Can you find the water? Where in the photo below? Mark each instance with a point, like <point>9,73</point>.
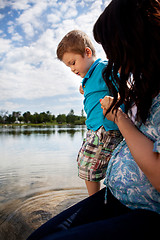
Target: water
<point>38,176</point>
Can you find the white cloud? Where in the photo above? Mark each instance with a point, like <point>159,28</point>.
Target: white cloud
<point>53,18</point>
<point>1,16</point>
<point>30,19</point>
<point>69,10</point>
<point>64,7</point>
<point>9,23</point>
<point>17,37</point>
<point>20,5</point>
<point>70,99</point>
<point>10,106</point>
<point>28,29</point>
<point>5,45</point>
<point>32,13</point>
<point>33,83</point>
<point>3,4</point>
<point>11,29</point>
<point>32,71</point>
<point>106,2</point>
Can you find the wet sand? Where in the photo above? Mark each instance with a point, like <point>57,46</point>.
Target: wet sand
<point>19,218</point>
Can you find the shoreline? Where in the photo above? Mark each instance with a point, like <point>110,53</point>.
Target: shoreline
<point>39,125</point>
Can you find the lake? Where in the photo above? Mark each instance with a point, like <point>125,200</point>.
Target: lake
<point>38,176</point>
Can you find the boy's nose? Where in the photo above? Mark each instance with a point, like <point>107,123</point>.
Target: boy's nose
<point>72,69</point>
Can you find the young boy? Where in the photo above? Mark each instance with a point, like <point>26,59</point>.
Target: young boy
<point>77,52</point>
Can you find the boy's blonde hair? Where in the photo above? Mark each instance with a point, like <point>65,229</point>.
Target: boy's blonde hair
<point>75,41</point>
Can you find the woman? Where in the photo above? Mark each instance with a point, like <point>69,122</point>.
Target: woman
<point>129,32</point>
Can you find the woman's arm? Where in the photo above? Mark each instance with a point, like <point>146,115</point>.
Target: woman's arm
<point>140,146</point>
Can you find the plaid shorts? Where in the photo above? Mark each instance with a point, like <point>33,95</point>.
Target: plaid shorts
<point>95,153</point>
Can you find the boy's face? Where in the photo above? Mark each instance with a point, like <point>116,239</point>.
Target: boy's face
<point>78,64</point>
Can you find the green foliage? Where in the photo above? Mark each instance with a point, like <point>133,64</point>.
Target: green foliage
<point>61,118</point>
<point>41,118</point>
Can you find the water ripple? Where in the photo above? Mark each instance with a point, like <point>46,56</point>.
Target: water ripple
<point>23,216</point>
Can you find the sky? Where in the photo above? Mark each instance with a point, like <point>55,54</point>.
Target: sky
<point>31,77</point>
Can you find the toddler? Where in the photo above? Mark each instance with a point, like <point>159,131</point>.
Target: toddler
<point>77,52</point>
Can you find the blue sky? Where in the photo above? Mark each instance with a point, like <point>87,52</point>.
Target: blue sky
<point>31,78</point>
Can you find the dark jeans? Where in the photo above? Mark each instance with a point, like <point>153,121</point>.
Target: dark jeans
<point>92,219</point>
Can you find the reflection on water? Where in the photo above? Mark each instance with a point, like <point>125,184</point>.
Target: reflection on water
<point>25,130</point>
<point>35,161</point>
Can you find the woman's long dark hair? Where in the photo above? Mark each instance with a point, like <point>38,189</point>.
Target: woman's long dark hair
<point>129,32</point>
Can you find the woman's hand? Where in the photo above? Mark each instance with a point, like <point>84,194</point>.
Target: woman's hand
<point>105,104</point>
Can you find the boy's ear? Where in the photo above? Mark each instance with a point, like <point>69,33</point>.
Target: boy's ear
<point>88,52</point>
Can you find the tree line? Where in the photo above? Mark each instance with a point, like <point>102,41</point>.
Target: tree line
<point>43,117</point>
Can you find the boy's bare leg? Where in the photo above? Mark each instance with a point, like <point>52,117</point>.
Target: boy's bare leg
<point>92,187</point>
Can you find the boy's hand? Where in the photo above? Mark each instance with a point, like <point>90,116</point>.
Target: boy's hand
<point>81,90</point>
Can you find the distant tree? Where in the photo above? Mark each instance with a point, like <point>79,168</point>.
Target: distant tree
<point>16,115</point>
<point>3,115</point>
<point>82,118</point>
<point>61,118</point>
<point>42,117</point>
<point>53,118</point>
<point>71,112</point>
<point>47,117</point>
<point>27,116</point>
<point>82,113</point>
<point>10,118</point>
<point>21,119</point>
<point>34,118</point>
<point>1,119</point>
<point>71,117</point>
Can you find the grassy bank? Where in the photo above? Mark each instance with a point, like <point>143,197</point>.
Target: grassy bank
<point>49,124</point>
